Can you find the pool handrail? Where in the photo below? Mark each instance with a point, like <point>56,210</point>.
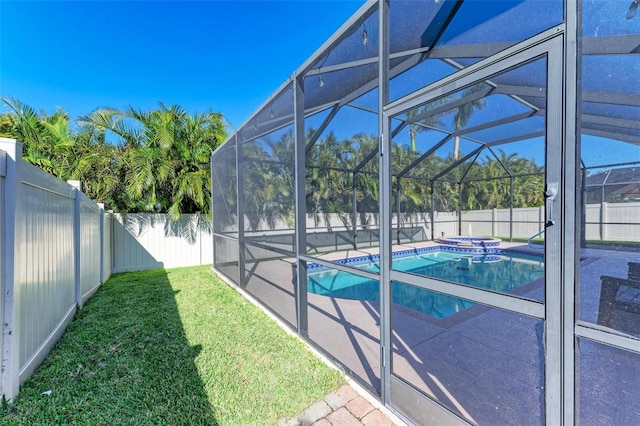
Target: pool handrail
<point>535,246</point>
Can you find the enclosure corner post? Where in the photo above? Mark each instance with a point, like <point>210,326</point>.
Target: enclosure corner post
<point>213,228</point>
<point>9,306</point>
<point>300,207</point>
<point>385,182</point>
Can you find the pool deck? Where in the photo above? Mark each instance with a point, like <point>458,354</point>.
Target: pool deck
<point>485,364</point>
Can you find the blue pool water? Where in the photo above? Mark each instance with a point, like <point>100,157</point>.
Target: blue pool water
<point>502,272</point>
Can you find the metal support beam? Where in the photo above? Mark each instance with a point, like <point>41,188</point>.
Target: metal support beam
<point>457,163</point>
<point>321,129</point>
<point>583,203</point>
<point>569,114</point>
<point>242,280</point>
<point>511,208</point>
<point>398,206</point>
<point>300,207</point>
<point>433,212</point>
<point>366,160</point>
<point>354,219</point>
<point>425,155</point>
<point>384,173</point>
<point>554,247</point>
<point>475,158</point>
<point>460,208</point>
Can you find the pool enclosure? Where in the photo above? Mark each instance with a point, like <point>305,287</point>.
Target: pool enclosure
<point>481,137</point>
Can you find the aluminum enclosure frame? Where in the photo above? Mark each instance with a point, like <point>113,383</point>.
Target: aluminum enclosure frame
<point>562,45</point>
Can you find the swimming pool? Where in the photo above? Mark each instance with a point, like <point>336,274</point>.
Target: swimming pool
<point>500,271</point>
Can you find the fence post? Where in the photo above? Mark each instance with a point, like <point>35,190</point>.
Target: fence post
<point>10,293</point>
<point>541,218</point>
<point>76,239</point>
<point>494,222</point>
<point>101,205</point>
<point>603,221</point>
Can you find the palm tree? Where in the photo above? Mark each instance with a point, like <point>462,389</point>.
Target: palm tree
<point>464,112</point>
<point>50,142</point>
<point>167,155</point>
<point>268,181</point>
<point>6,125</point>
<point>426,122</point>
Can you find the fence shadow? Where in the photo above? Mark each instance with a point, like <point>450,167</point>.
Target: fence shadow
<point>126,358</point>
<point>140,241</point>
<point>187,227</point>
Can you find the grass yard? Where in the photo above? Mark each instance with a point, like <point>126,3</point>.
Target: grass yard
<point>171,347</point>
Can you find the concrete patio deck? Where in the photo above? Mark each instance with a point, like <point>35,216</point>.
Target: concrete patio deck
<point>484,364</point>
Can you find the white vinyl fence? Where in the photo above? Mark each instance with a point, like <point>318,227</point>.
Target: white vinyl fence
<point>51,262</point>
<point>57,246</point>
<point>603,222</point>
<point>150,241</point>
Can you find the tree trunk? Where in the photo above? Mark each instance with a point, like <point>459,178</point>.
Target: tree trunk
<point>456,147</point>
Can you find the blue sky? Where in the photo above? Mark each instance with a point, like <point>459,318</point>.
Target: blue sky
<point>225,56</point>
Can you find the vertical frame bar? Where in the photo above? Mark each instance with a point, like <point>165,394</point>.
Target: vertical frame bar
<point>213,228</point>
<point>583,207</point>
<point>433,212</point>
<point>242,280</point>
<point>554,256</point>
<point>384,176</point>
<point>355,212</point>
<point>301,208</point>
<point>398,206</point>
<point>510,207</point>
<point>572,211</point>
<point>460,208</point>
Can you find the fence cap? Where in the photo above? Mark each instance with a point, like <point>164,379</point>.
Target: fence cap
<point>76,184</point>
<point>12,149</point>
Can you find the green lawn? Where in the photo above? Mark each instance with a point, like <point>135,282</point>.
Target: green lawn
<point>172,347</point>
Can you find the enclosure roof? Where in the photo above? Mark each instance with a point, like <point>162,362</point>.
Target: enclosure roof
<point>456,34</point>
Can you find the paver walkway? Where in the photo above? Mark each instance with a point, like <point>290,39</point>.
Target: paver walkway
<point>344,407</point>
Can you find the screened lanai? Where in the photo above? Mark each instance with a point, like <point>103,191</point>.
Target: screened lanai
<point>444,199</point>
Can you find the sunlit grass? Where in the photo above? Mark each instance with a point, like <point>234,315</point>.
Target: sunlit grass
<point>172,347</point>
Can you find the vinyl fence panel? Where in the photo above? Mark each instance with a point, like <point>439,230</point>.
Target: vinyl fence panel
<point>107,249</point>
<point>51,258</point>
<point>90,218</point>
<point>150,241</point>
<point>44,264</point>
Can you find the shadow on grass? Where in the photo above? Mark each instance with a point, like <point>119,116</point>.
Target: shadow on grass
<point>125,359</point>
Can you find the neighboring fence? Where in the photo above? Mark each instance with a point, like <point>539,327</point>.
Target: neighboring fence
<point>613,222</point>
<point>604,222</point>
<point>149,241</point>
